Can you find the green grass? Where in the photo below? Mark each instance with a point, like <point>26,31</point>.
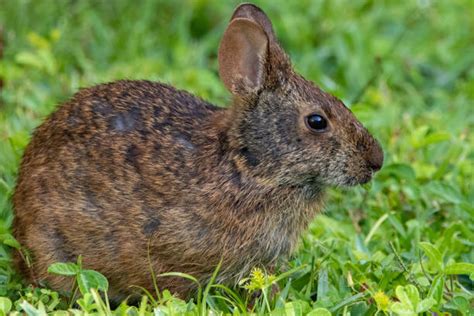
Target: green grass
<point>406,68</point>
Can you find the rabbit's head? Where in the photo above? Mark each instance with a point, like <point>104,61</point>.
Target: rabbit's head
<point>285,129</point>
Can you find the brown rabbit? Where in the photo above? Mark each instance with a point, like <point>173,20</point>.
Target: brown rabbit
<point>132,168</point>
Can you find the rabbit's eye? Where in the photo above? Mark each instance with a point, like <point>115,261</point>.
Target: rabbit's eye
<point>316,122</point>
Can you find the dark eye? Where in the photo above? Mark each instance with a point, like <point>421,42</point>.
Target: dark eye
<point>316,122</point>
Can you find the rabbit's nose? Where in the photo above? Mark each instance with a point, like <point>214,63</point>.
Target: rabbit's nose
<point>375,157</point>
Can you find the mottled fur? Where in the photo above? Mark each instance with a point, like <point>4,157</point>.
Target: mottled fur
<point>136,168</point>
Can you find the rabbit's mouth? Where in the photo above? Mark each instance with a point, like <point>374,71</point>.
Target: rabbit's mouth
<point>366,178</point>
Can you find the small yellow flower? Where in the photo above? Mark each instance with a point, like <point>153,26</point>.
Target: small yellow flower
<point>258,277</point>
<point>258,280</point>
<point>382,300</point>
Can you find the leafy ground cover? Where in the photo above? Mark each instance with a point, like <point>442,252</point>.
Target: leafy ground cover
<point>402,245</point>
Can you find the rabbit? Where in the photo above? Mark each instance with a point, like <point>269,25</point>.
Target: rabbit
<point>135,176</point>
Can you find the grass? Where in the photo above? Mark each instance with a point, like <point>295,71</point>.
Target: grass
<point>402,245</point>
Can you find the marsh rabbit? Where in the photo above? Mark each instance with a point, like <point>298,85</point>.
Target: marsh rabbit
<point>137,173</point>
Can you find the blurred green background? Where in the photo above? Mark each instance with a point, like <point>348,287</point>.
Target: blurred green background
<point>406,68</point>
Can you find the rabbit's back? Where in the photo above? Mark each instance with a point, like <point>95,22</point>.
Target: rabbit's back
<point>113,129</point>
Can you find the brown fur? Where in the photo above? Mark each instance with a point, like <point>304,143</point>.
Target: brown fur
<point>135,165</point>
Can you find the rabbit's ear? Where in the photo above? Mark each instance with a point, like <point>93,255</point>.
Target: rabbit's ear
<point>242,56</point>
